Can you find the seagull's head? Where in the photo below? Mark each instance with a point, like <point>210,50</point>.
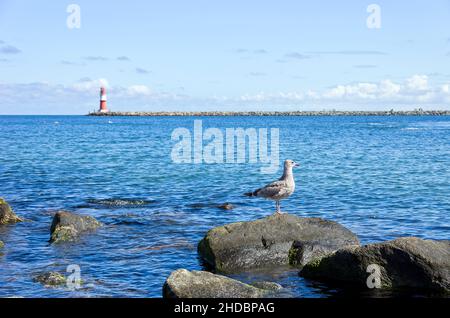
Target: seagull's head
<point>290,164</point>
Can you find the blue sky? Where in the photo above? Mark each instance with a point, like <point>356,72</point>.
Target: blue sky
<point>232,55</point>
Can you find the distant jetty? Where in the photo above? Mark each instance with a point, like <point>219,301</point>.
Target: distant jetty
<point>418,112</point>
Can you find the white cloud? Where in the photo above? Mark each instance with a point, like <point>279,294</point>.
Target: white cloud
<point>360,90</point>
<point>255,98</point>
<point>388,89</point>
<point>415,90</point>
<point>136,90</point>
<point>87,85</point>
<point>82,97</point>
<point>312,94</point>
<point>417,83</point>
<point>336,92</point>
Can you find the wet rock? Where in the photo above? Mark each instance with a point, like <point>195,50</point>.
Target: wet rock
<point>50,279</point>
<point>403,263</point>
<point>267,286</point>
<point>303,252</point>
<point>226,206</point>
<point>199,284</point>
<point>67,226</point>
<point>268,241</point>
<point>7,215</point>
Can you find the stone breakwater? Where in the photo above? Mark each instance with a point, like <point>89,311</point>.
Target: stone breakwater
<point>288,113</point>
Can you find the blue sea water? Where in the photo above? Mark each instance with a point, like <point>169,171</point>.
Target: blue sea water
<point>382,177</point>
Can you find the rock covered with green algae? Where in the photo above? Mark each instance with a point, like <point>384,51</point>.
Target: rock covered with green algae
<point>7,215</point>
<point>269,241</point>
<point>407,262</point>
<point>67,226</point>
<point>50,279</point>
<point>200,284</point>
<point>1,244</point>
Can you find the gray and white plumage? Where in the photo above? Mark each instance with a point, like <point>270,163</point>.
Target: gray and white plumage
<point>280,189</point>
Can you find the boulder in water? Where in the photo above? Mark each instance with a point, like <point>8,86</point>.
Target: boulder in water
<point>200,284</point>
<point>67,226</point>
<point>268,241</point>
<point>7,215</point>
<point>407,262</point>
<point>226,206</point>
<point>50,279</point>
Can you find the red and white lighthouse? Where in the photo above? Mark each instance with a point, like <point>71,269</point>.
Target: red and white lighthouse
<point>103,107</point>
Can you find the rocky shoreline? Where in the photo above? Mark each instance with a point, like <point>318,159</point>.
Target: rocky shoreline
<point>320,250</point>
<point>417,112</point>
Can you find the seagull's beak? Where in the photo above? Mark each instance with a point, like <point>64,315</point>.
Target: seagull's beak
<point>296,165</point>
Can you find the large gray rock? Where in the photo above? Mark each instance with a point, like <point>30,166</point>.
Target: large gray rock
<point>199,284</point>
<point>268,241</point>
<point>67,226</point>
<point>7,215</point>
<point>403,263</point>
<point>303,252</point>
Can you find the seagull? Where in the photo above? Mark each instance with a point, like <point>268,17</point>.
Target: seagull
<point>280,189</point>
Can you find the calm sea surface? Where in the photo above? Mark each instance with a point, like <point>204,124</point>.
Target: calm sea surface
<point>382,177</point>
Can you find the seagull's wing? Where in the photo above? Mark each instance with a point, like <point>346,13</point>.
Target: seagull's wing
<point>272,189</point>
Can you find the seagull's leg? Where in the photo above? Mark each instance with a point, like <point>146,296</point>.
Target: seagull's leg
<point>278,204</point>
<point>278,207</point>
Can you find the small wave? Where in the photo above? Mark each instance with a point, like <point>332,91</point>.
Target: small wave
<point>199,206</point>
<point>129,222</point>
<point>119,202</point>
<point>174,245</point>
<point>382,125</point>
<point>434,124</point>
